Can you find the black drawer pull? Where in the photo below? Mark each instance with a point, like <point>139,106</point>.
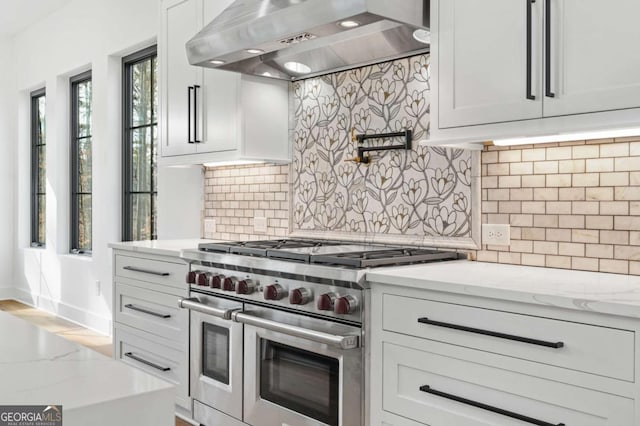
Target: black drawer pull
<point>189,89</point>
<point>146,271</point>
<point>547,50</point>
<point>195,114</point>
<point>146,311</point>
<point>144,361</point>
<point>555,345</point>
<point>530,96</point>
<point>531,420</point>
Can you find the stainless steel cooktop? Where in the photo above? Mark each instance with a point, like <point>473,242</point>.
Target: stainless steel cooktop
<point>330,253</point>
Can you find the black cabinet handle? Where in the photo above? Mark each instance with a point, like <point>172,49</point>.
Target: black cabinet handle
<point>195,114</point>
<point>189,89</point>
<point>146,271</point>
<point>144,361</point>
<point>527,419</point>
<point>555,345</point>
<point>530,96</point>
<point>547,49</point>
<point>146,311</point>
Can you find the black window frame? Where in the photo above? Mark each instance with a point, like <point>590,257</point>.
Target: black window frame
<point>35,170</point>
<point>127,105</point>
<point>74,234</point>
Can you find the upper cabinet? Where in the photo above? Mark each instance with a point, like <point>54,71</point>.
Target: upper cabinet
<point>504,66</point>
<point>593,58</point>
<point>210,115</point>
<point>483,68</point>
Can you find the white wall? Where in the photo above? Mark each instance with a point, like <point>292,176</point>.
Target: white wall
<point>8,118</point>
<point>86,34</point>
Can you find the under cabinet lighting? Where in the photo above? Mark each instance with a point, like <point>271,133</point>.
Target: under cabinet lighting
<point>297,67</point>
<point>423,36</point>
<point>565,137</point>
<point>473,146</point>
<point>216,62</point>
<point>254,51</point>
<point>232,163</point>
<point>349,24</point>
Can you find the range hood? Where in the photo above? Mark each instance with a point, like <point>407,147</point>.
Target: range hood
<point>294,39</point>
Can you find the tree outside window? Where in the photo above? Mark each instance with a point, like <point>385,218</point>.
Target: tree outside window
<point>140,97</point>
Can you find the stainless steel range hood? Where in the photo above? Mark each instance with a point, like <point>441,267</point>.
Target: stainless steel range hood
<point>294,39</point>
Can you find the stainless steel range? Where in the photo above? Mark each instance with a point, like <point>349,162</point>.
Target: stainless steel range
<point>278,329</point>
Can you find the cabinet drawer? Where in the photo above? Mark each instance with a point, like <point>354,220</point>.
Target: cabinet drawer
<point>150,270</point>
<point>462,385</point>
<point>143,351</point>
<point>151,311</point>
<point>593,349</point>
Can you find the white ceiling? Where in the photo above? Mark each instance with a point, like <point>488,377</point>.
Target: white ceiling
<point>16,15</point>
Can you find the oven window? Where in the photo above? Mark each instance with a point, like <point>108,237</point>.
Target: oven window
<point>215,352</point>
<point>302,381</point>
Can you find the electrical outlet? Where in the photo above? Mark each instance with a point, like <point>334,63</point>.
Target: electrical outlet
<point>496,234</point>
<point>98,288</point>
<point>209,226</point>
<point>260,225</point>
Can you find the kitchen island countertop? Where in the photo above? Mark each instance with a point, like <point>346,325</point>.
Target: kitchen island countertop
<point>614,294</point>
<point>40,368</point>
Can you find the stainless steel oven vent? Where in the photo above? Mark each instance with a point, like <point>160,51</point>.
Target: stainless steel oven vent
<point>295,39</point>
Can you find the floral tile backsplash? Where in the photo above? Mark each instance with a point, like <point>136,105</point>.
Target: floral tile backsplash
<point>423,195</point>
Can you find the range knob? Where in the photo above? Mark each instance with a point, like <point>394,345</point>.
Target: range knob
<point>274,292</point>
<point>345,305</point>
<point>299,296</point>
<point>229,284</point>
<point>191,277</point>
<point>216,281</point>
<point>245,287</point>
<point>325,301</point>
<point>202,278</point>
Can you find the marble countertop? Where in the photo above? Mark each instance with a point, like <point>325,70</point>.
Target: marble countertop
<point>588,291</point>
<point>159,247</point>
<point>38,367</point>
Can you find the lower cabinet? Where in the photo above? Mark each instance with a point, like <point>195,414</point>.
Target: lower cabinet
<point>442,359</point>
<point>441,390</point>
<point>150,331</point>
<point>155,356</point>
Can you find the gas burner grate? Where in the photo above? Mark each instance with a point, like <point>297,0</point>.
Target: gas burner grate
<point>394,257</point>
<point>261,247</point>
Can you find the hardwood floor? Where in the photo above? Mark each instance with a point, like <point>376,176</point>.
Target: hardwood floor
<point>63,328</point>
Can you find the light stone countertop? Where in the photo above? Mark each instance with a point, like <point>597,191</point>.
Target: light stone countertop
<point>159,247</point>
<point>40,368</point>
<point>587,291</point>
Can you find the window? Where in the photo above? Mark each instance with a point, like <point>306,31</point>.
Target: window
<point>81,157</point>
<point>139,166</point>
<point>38,169</point>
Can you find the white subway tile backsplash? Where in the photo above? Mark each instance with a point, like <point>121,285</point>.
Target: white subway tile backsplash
<point>235,195</point>
<point>577,206</point>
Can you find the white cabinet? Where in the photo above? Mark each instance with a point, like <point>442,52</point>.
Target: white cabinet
<point>595,65</point>
<point>150,331</point>
<point>211,115</point>
<point>483,62</point>
<point>177,78</point>
<point>442,358</point>
<point>505,68</point>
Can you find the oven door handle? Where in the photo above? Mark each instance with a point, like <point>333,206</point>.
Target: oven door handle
<point>342,342</point>
<point>194,304</point>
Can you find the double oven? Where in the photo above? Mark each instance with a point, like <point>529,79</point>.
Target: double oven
<point>279,327</point>
<point>263,354</point>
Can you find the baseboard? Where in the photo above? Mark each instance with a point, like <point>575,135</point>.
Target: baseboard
<point>70,313</point>
<point>7,293</point>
